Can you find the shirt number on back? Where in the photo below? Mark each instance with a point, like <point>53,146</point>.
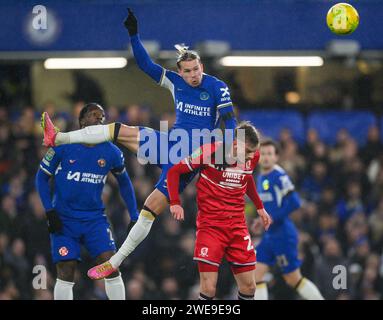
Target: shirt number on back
<point>282,261</point>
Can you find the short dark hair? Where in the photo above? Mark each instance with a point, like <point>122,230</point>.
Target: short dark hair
<point>185,55</point>
<point>251,133</point>
<point>86,109</point>
<point>270,142</point>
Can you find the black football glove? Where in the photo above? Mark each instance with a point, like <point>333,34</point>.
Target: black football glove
<point>54,222</point>
<point>130,23</point>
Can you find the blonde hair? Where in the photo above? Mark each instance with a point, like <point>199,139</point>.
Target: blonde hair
<point>184,54</point>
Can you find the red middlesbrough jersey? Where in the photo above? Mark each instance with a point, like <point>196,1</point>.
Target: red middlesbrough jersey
<point>220,189</point>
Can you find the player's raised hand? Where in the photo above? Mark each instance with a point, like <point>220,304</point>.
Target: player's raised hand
<point>265,217</point>
<point>130,23</point>
<point>177,212</point>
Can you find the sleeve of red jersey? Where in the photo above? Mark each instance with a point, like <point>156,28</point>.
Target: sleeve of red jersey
<point>173,181</point>
<point>189,164</point>
<point>201,156</point>
<point>252,193</point>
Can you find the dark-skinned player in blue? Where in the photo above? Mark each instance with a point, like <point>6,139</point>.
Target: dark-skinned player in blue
<point>76,213</point>
<point>201,102</point>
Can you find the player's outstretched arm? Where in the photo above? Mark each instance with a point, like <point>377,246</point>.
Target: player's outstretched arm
<point>254,196</point>
<point>226,117</point>
<point>252,193</point>
<point>143,59</point>
<point>43,189</point>
<point>127,193</point>
<point>173,182</point>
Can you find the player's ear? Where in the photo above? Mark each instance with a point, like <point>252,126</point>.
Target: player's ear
<point>201,65</point>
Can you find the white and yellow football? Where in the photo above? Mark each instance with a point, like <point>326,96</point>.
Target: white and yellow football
<point>342,19</point>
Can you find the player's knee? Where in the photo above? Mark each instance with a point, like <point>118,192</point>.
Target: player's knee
<point>66,270</point>
<point>292,279</point>
<point>124,131</point>
<point>291,284</point>
<point>247,286</point>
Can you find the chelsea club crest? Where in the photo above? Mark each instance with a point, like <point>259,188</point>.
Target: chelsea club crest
<point>204,95</point>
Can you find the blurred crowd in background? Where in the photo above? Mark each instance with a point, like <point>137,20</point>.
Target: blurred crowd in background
<point>340,222</point>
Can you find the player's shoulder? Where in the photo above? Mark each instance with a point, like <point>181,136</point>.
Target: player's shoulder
<point>172,76</point>
<point>214,81</point>
<point>278,172</point>
<point>60,147</point>
<point>57,150</point>
<point>111,147</point>
<point>281,176</point>
<point>207,148</point>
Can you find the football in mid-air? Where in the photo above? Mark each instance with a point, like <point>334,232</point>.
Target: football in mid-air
<point>342,18</point>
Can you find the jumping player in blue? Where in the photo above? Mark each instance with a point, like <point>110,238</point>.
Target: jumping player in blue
<point>201,102</point>
<point>279,244</point>
<point>76,213</point>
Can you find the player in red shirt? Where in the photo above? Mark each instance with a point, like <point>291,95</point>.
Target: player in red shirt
<point>221,224</point>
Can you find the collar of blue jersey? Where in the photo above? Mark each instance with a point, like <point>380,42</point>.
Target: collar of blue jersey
<point>203,79</point>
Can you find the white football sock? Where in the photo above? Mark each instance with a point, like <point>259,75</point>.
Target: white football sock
<point>242,296</point>
<point>307,290</point>
<point>63,290</point>
<point>136,235</point>
<point>91,135</point>
<point>261,292</point>
<point>115,288</point>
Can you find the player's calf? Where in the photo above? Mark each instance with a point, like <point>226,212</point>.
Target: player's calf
<point>305,288</point>
<point>208,280</point>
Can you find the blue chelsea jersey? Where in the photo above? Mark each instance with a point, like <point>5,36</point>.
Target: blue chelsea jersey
<point>80,173</point>
<point>279,198</point>
<point>196,107</point>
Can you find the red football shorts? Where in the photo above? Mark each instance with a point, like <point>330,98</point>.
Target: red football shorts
<point>234,243</point>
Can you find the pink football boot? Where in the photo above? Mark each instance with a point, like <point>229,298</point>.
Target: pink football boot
<point>101,271</point>
<point>50,131</point>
